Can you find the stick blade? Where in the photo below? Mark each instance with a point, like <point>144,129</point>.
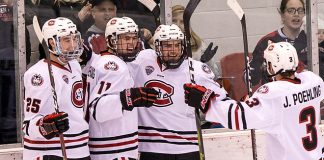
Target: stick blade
<point>37,29</point>
<point>236,8</point>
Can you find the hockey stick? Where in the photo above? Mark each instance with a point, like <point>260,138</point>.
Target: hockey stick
<point>190,8</point>
<point>154,8</point>
<point>241,15</point>
<point>41,39</point>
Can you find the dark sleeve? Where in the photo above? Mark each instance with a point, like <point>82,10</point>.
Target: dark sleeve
<point>256,62</point>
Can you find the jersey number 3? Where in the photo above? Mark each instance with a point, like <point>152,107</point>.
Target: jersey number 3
<point>308,115</point>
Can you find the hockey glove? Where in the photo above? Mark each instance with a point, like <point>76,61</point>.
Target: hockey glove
<point>198,96</point>
<point>86,55</point>
<point>53,124</point>
<point>138,97</point>
<point>209,53</point>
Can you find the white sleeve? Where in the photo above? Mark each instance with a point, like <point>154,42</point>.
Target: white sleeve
<point>104,98</point>
<point>255,113</point>
<point>106,107</point>
<point>38,101</point>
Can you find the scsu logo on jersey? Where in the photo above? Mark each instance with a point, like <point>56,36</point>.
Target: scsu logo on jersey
<point>77,94</point>
<point>165,92</point>
<point>111,65</point>
<point>263,89</point>
<point>37,80</point>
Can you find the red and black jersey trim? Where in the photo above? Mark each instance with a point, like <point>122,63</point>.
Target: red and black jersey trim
<point>236,119</point>
<point>115,151</point>
<point>114,138</point>
<point>243,115</point>
<point>82,138</point>
<point>168,136</point>
<point>77,134</point>
<point>165,141</point>
<point>230,116</point>
<point>54,148</point>
<point>167,130</point>
<point>108,145</point>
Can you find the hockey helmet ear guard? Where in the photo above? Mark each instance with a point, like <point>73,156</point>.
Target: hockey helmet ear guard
<point>67,39</point>
<point>123,27</point>
<point>282,57</point>
<point>166,34</point>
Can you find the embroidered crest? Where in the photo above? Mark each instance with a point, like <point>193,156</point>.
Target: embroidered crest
<point>263,89</point>
<point>37,80</point>
<point>65,79</point>
<point>206,68</point>
<point>149,69</point>
<point>111,66</point>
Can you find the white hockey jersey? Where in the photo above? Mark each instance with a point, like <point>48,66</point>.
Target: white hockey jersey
<point>169,126</point>
<point>38,102</point>
<point>113,132</point>
<point>288,111</point>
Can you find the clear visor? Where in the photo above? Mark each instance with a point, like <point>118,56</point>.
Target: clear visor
<point>69,47</point>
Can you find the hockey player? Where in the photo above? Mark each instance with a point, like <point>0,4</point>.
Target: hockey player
<point>168,130</point>
<point>113,101</point>
<point>41,124</point>
<point>287,109</point>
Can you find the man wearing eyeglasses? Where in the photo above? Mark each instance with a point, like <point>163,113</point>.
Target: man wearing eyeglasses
<point>291,13</point>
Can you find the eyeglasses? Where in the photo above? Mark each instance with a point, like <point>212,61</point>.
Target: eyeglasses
<point>294,10</point>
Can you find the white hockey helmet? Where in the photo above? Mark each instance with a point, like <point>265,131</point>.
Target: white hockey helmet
<point>118,26</point>
<point>60,27</point>
<point>167,33</point>
<point>282,56</point>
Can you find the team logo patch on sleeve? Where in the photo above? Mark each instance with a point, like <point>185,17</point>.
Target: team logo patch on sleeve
<point>111,65</point>
<point>206,68</point>
<point>263,89</point>
<point>149,70</point>
<point>37,80</point>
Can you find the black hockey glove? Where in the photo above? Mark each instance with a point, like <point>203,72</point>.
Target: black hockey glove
<point>198,96</point>
<point>209,53</point>
<point>138,97</point>
<point>53,124</point>
<point>86,55</point>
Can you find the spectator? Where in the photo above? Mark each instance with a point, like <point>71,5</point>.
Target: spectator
<point>102,12</point>
<point>197,45</point>
<point>292,13</point>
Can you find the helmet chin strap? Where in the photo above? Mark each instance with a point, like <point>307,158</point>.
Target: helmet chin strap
<point>273,76</point>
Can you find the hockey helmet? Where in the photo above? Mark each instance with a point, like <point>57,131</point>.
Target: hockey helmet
<point>63,30</point>
<point>118,26</point>
<point>282,56</point>
<point>166,33</point>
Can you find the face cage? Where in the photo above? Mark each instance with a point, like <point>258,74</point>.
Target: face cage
<point>173,63</point>
<point>75,50</point>
<point>126,54</point>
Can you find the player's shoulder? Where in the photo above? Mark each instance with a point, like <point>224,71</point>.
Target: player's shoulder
<point>39,67</point>
<point>146,54</point>
<point>37,74</point>
<point>202,69</point>
<point>308,76</point>
<point>271,90</point>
